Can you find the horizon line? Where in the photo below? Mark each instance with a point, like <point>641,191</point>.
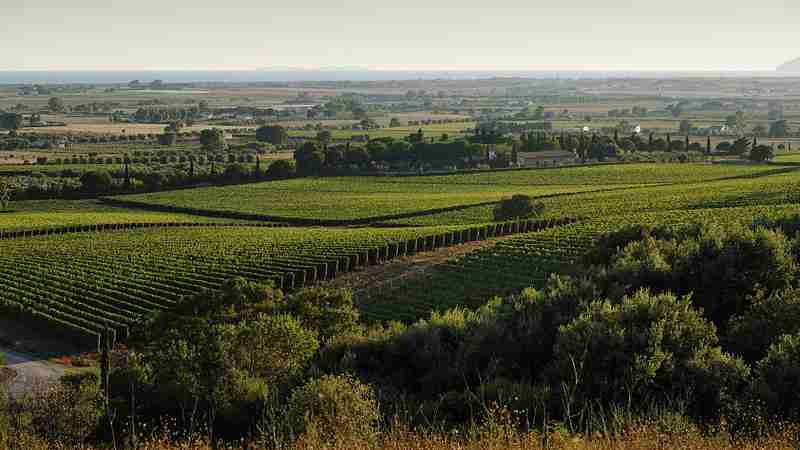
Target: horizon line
<point>392,69</point>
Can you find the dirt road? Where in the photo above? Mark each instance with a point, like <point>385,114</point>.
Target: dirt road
<point>31,371</point>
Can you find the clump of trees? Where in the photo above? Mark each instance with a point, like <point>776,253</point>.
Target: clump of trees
<point>762,153</point>
<point>273,134</point>
<point>10,121</point>
<point>213,139</point>
<point>517,207</point>
<point>96,182</point>
<point>316,158</point>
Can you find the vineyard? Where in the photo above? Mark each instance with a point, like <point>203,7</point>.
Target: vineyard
<point>89,284</point>
<point>94,268</point>
<point>336,199</point>
<point>775,187</point>
<point>602,175</point>
<point>381,199</point>
<point>526,260</point>
<point>47,216</point>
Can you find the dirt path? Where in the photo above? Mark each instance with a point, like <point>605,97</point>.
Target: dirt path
<point>406,267</point>
<point>30,372</point>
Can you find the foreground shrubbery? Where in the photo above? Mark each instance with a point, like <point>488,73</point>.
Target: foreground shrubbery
<point>688,328</point>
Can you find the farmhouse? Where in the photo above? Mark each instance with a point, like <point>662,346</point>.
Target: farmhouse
<point>546,158</point>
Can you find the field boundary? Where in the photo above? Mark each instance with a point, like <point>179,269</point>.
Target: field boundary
<point>15,234</point>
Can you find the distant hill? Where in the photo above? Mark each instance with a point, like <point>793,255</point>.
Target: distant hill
<point>791,66</point>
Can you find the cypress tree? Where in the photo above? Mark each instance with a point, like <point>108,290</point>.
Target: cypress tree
<point>755,141</point>
<point>708,146</point>
<point>650,142</point>
<point>127,174</point>
<point>686,144</point>
<point>258,166</point>
<point>514,154</point>
<point>616,136</point>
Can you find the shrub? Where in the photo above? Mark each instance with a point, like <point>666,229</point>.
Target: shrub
<point>276,349</point>
<point>65,413</point>
<point>649,346</point>
<point>281,169</point>
<point>762,153</point>
<point>328,311</point>
<point>777,377</point>
<point>518,341</point>
<point>751,334</point>
<point>334,408</point>
<point>517,207</point>
<point>96,182</point>
<point>722,268</point>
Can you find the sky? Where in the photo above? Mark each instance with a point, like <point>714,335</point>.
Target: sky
<point>658,35</point>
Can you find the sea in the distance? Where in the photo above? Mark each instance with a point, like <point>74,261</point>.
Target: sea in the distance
<point>326,75</point>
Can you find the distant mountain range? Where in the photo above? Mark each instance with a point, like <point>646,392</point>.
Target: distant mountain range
<point>790,67</point>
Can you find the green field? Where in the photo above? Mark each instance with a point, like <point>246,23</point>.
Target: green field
<point>339,199</point>
<point>771,186</point>
<point>382,198</point>
<point>49,214</point>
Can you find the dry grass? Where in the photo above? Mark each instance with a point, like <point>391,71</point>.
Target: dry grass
<point>642,438</point>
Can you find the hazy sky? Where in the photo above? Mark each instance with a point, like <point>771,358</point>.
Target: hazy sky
<point>398,34</point>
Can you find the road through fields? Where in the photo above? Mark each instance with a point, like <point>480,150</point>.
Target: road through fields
<point>30,372</point>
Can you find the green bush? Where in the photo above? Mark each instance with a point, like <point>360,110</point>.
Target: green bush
<point>517,343</point>
<point>722,268</point>
<point>647,347</point>
<point>96,182</point>
<point>751,334</point>
<point>280,169</point>
<point>334,408</point>
<point>777,377</point>
<point>276,349</point>
<point>517,207</point>
<point>328,311</point>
